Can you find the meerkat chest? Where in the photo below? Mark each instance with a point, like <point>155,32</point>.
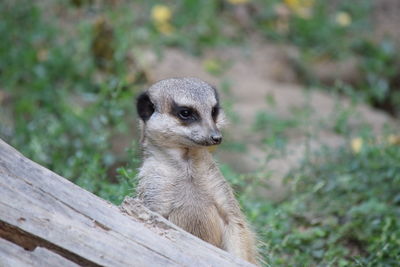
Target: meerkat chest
<point>164,187</point>
<point>194,186</point>
<point>194,207</point>
<point>195,211</point>
<point>185,194</point>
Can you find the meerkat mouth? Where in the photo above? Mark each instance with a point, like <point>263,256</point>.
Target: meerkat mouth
<point>197,143</point>
<point>204,143</point>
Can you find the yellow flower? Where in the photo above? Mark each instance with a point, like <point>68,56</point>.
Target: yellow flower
<point>292,3</point>
<point>238,2</point>
<point>356,145</point>
<point>302,8</point>
<point>165,28</point>
<point>343,19</point>
<point>161,14</point>
<point>393,139</point>
<point>299,3</point>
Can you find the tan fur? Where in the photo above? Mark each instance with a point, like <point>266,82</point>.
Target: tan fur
<point>179,178</point>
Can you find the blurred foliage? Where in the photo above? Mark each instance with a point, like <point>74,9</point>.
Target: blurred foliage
<point>380,66</point>
<point>69,76</point>
<point>343,211</point>
<point>274,128</point>
<point>62,117</point>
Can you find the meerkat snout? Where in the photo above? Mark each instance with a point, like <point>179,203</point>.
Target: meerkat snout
<point>181,112</point>
<point>216,137</point>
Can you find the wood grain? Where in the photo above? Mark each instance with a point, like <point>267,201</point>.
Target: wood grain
<point>42,211</point>
<point>14,255</point>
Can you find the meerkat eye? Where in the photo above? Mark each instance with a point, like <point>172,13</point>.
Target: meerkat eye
<point>185,114</point>
<point>215,112</point>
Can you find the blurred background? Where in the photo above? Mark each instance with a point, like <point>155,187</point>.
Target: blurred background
<point>311,89</point>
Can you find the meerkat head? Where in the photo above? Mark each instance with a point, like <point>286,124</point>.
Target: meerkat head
<point>181,112</point>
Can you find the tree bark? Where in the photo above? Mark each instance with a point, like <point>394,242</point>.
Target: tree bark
<point>45,220</point>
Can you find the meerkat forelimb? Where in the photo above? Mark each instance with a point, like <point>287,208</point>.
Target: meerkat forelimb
<point>179,119</point>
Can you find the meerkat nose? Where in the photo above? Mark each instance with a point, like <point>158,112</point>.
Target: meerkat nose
<point>216,138</point>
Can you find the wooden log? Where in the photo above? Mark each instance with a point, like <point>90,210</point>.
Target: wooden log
<point>14,255</point>
<point>39,209</point>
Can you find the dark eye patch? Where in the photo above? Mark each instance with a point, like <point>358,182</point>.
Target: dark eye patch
<point>184,113</point>
<point>215,112</point>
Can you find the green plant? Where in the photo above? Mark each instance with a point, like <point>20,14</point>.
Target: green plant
<point>380,67</point>
<point>273,128</point>
<point>61,117</point>
<point>343,211</point>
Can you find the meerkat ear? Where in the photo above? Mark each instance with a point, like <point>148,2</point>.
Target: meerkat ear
<point>144,106</point>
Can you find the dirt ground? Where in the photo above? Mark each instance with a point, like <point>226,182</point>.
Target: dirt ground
<point>256,73</point>
<point>386,19</point>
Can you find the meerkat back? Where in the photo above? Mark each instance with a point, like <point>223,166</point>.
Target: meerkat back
<point>180,118</point>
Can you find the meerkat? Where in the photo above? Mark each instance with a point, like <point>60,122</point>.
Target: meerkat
<point>180,118</point>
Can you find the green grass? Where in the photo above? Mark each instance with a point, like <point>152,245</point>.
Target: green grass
<point>342,210</point>
<point>62,111</point>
